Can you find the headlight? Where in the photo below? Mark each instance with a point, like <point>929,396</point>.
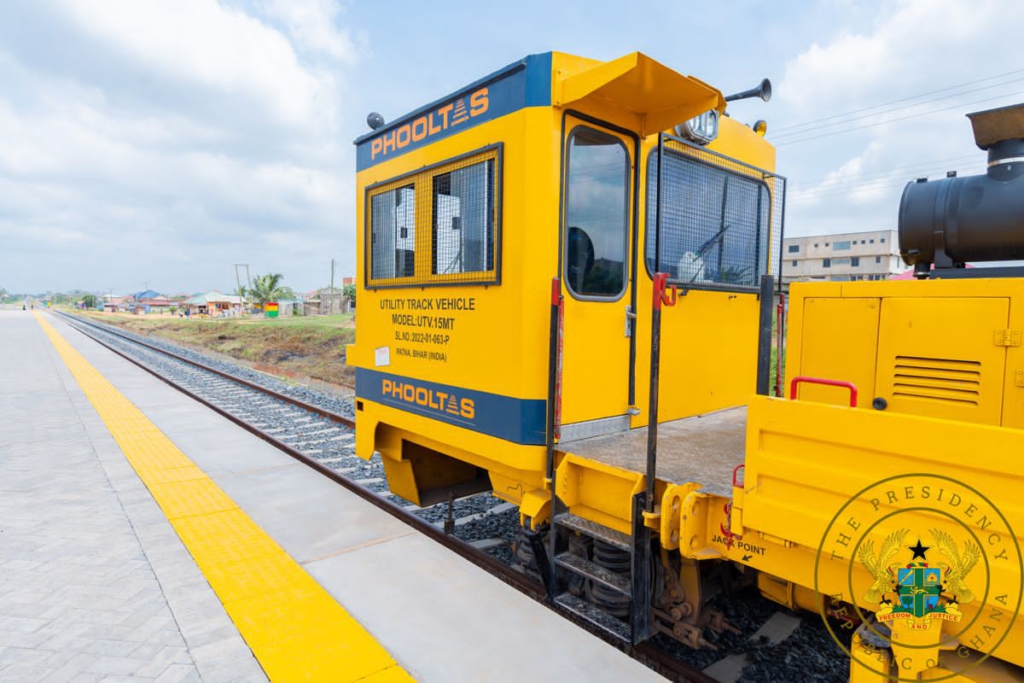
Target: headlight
<point>701,129</point>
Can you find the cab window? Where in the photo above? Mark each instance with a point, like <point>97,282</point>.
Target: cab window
<point>393,234</point>
<point>597,214</point>
<point>714,223</point>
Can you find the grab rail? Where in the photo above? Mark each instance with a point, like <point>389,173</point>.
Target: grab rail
<point>793,385</point>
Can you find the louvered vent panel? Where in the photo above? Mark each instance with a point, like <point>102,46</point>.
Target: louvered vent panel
<point>938,379</point>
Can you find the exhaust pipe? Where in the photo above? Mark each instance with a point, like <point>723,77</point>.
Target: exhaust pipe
<point>952,221</point>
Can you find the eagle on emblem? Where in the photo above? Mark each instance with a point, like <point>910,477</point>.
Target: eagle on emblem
<point>879,565</point>
<point>959,566</point>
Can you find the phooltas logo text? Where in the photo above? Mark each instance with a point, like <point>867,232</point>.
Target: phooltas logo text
<point>441,119</point>
<point>429,398</point>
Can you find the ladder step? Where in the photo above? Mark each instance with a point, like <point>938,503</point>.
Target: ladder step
<point>616,582</point>
<point>592,615</point>
<point>594,530</point>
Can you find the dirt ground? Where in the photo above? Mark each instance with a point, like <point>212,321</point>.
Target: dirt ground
<point>297,347</point>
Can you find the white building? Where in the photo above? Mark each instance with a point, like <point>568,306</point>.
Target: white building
<point>849,256</point>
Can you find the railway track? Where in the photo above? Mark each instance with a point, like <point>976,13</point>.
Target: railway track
<point>319,433</point>
<point>315,430</point>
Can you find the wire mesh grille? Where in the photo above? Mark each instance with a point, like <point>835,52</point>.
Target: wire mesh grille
<point>463,226</point>
<point>439,226</point>
<point>720,220</point>
<point>393,234</point>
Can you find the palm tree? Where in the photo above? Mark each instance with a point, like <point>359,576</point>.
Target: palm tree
<point>267,288</point>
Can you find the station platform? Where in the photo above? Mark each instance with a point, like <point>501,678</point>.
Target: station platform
<point>144,537</point>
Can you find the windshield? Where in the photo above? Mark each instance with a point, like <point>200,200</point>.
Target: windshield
<point>714,223</point>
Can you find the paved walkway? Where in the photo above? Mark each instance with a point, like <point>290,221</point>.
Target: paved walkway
<point>94,583</point>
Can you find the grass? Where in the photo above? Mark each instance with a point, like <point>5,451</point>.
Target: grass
<point>775,355</point>
<point>338,321</point>
<point>312,346</point>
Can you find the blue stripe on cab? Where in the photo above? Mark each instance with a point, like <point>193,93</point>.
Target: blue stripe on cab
<point>526,83</point>
<point>517,420</point>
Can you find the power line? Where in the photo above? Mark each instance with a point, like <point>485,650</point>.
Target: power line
<point>859,187</point>
<point>844,181</point>
<point>867,185</point>
<point>895,109</point>
<point>889,171</point>
<point>904,99</point>
<point>903,118</point>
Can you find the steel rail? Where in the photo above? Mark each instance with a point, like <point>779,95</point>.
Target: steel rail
<point>348,422</point>
<point>646,653</point>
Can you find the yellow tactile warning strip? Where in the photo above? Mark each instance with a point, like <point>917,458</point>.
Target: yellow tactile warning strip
<point>296,630</point>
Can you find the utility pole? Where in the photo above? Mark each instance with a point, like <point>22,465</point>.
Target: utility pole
<point>238,280</point>
<point>332,287</point>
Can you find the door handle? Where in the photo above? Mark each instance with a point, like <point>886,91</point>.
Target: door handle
<point>630,319</point>
<point>664,293</point>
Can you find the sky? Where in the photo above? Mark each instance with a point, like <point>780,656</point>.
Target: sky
<point>156,143</point>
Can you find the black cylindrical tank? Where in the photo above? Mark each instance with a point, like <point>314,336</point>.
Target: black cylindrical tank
<point>974,218</point>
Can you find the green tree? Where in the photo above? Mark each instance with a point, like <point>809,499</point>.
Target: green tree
<point>89,300</point>
<point>267,288</point>
<point>349,291</point>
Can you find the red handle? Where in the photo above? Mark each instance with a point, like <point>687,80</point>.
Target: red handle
<point>826,382</point>
<point>737,482</point>
<point>663,293</point>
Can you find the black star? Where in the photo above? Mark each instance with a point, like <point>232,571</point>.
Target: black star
<point>919,550</point>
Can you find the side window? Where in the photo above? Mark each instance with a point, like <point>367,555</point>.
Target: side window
<point>596,214</point>
<point>440,225</point>
<point>463,231</point>
<point>393,234</point>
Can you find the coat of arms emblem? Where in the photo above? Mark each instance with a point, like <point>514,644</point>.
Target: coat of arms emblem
<point>918,585</point>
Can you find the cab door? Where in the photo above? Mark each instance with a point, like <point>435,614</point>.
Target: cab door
<point>596,240</point>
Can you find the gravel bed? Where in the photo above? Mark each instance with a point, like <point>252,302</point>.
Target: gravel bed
<point>501,525</point>
<point>462,508</point>
<point>745,609</point>
<point>503,553</point>
<point>335,404</point>
<point>808,655</point>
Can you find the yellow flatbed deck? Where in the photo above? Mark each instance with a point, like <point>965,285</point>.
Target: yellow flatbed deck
<point>704,449</point>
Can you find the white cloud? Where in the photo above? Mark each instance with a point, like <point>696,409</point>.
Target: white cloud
<point>313,23</point>
<point>913,41</point>
<point>164,141</point>
<point>198,42</point>
<point>850,176</point>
